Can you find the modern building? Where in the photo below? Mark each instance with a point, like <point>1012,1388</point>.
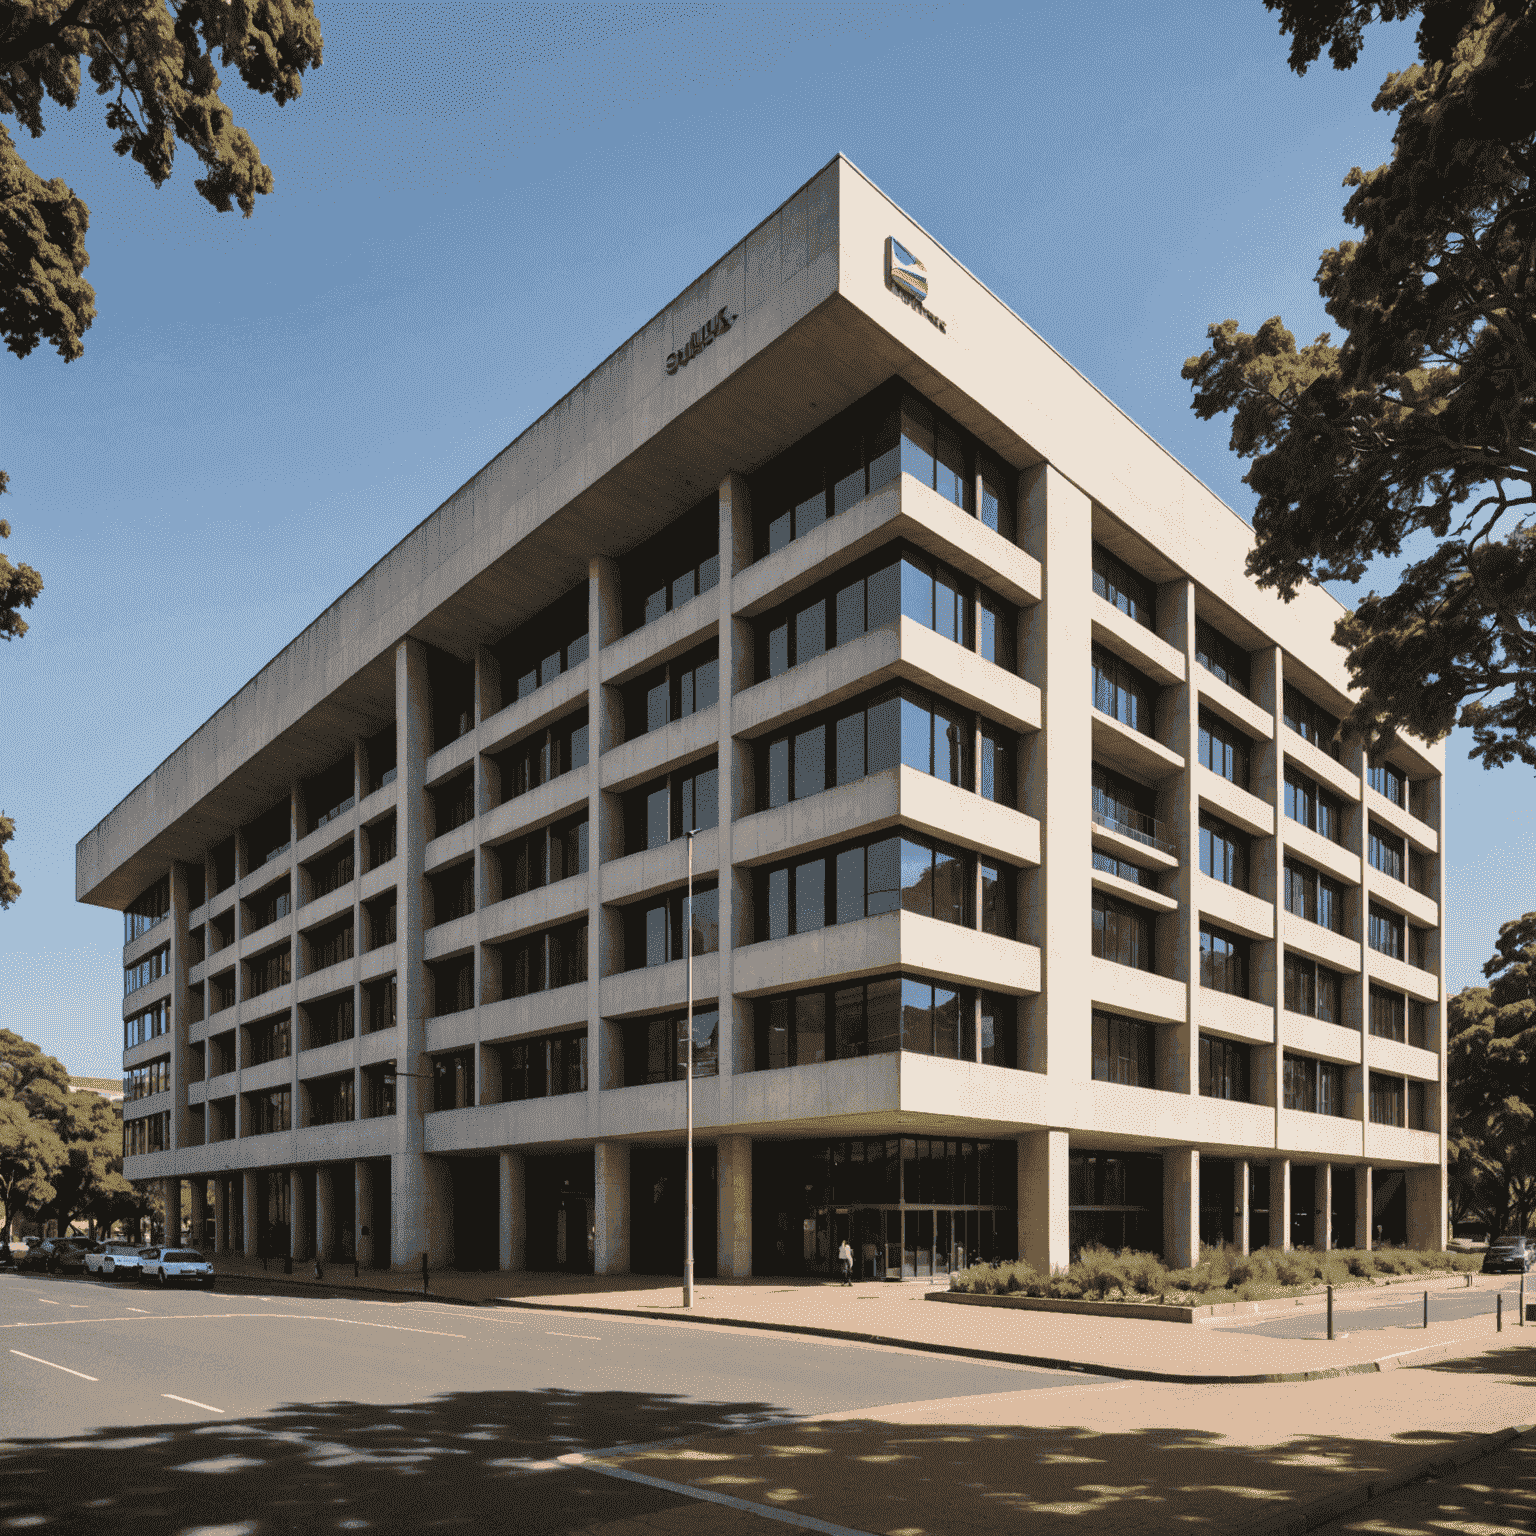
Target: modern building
<point>985,961</point>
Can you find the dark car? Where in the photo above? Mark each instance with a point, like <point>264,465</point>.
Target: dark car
<point>56,1255</point>
<point>1508,1256</point>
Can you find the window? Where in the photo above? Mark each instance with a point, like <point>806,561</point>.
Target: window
<point>150,909</point>
<point>453,893</point>
<point>672,692</point>
<point>1223,961</point>
<point>546,857</point>
<point>1386,851</point>
<point>453,1080</point>
<point>381,759</point>
<point>1311,895</point>
<point>1389,1014</point>
<point>1421,873</point>
<point>151,968</point>
<point>543,961</point>
<point>671,806</point>
<point>1223,1069</point>
<point>273,969</point>
<point>269,836</point>
<point>222,990</point>
<point>150,1078</point>
<point>1384,932</point>
<point>1221,657</point>
<point>379,1090</point>
<point>332,1100</point>
<point>549,644</point>
<point>451,688</point>
<point>674,566</point>
<point>1224,749</point>
<point>544,1067</point>
<point>331,794</point>
<point>1108,864</point>
<point>997,1020</point>
<point>1121,692</point>
<point>1316,1087</point>
<point>379,1004</point>
<point>221,1053</point>
<point>1121,932</point>
<point>1387,1100</point>
<point>148,1133</point>
<point>1125,806</point>
<point>656,1050</point>
<point>1223,852</point>
<point>270,1040</point>
<point>996,765</point>
<point>380,914</point>
<point>1124,1051</point>
<point>332,943</point>
<point>331,871</point>
<point>223,861</point>
<point>453,803</point>
<point>453,985</point>
<point>1418,1107</point>
<point>1310,721</point>
<point>331,1020</point>
<point>267,906</point>
<point>545,755</point>
<point>653,930</point>
<point>381,842</point>
<point>1313,989</point>
<point>1312,806</point>
<point>1388,781</point>
<point>1419,1016</point>
<point>1122,588</point>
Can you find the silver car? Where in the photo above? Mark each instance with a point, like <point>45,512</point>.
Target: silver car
<point>171,1266</point>
<point>112,1259</point>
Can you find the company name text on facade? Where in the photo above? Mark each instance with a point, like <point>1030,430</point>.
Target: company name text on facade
<point>717,325</point>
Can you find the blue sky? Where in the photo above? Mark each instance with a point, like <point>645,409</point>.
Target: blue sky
<point>474,205</point>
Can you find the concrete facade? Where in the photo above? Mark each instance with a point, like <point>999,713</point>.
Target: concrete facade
<point>363,1098</point>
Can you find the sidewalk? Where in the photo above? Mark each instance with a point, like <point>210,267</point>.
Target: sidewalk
<point>898,1315</point>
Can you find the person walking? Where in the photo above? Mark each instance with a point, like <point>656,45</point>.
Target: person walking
<point>845,1262</point>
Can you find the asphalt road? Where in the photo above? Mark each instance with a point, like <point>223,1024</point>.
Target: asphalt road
<point>136,1410</point>
<point>1444,1306</point>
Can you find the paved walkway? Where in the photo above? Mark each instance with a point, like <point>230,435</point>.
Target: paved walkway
<point>900,1314</point>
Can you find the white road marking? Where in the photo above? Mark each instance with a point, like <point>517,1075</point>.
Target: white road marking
<point>191,1402</point>
<point>49,1363</point>
<point>43,1301</point>
<point>201,1317</point>
<point>141,1311</point>
<point>553,1334</point>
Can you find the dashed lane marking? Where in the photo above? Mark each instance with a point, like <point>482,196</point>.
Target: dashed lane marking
<point>191,1402</point>
<point>49,1363</point>
<point>555,1334</point>
<point>200,1317</point>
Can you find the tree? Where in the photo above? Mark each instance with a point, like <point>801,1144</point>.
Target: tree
<point>30,1154</point>
<point>1420,421</point>
<point>90,1178</point>
<point>1491,1075</point>
<point>19,587</point>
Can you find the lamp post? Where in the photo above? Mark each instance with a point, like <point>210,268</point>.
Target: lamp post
<point>688,1148</point>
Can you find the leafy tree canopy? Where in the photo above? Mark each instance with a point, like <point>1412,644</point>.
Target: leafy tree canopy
<point>1420,420</point>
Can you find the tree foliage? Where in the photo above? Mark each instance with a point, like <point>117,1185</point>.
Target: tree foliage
<point>1422,419</point>
<point>1491,1076</point>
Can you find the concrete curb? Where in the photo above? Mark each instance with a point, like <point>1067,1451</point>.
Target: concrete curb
<point>259,1283</point>
<point>1331,1506</point>
<point>1040,1362</point>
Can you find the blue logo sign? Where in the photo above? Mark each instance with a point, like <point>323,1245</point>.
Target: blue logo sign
<point>904,271</point>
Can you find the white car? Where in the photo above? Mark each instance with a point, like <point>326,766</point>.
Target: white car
<point>112,1259</point>
<point>169,1266</point>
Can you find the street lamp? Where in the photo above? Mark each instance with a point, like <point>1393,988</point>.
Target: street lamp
<point>688,1152</point>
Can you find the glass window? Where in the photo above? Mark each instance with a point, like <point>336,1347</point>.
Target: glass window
<point>1310,721</point>
<point>1386,851</point>
<point>1389,781</point>
<point>1387,1100</point>
<point>551,643</point>
<point>1123,1051</point>
<point>1223,961</point>
<point>1389,1014</point>
<point>1121,587</point>
<point>1125,806</point>
<point>1313,989</point>
<point>1221,657</point>
<point>1224,749</point>
<point>1223,1069</point>
<point>674,566</point>
<point>1121,692</point>
<point>1313,807</point>
<point>1122,933</point>
<point>674,691</point>
<point>1384,932</point>
<point>1311,895</point>
<point>1223,852</point>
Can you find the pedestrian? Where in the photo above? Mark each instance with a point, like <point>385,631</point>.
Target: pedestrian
<point>845,1262</point>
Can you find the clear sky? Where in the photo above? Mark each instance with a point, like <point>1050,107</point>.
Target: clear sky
<point>474,205</point>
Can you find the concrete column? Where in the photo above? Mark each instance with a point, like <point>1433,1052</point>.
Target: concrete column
<point>362,1212</point>
<point>1056,524</point>
<point>1280,1204</point>
<point>438,1183</point>
<point>199,1213</point>
<point>1178,807</point>
<point>170,1204</point>
<point>220,1215</point>
<point>610,1171</point>
<point>179,1005</point>
<point>1365,1229</point>
<point>1181,1206</point>
<point>1322,1207</point>
<point>1427,1214</point>
<point>605,624</point>
<point>733,1222</point>
<point>249,1187</point>
<point>1044,1239</point>
<point>1242,1200</point>
<point>300,1217</point>
<point>514,1211</point>
<point>325,1213</point>
<point>408,1173</point>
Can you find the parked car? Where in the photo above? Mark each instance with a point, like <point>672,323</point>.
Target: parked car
<point>170,1265</point>
<point>56,1255</point>
<point>112,1259</point>
<point>1508,1256</point>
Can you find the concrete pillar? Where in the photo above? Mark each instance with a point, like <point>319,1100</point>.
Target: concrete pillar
<point>1426,1208</point>
<point>300,1217</point>
<point>325,1213</point>
<point>1322,1207</point>
<point>1280,1204</point>
<point>362,1212</point>
<point>199,1213</point>
<point>409,1193</point>
<point>1365,1230</point>
<point>514,1211</point>
<point>1181,1206</point>
<point>221,1215</point>
<point>605,831</point>
<point>437,1182</point>
<point>610,1172</point>
<point>249,1187</point>
<point>1044,1239</point>
<point>733,1222</point>
<point>170,1203</point>
<point>1178,807</point>
<point>1242,1199</point>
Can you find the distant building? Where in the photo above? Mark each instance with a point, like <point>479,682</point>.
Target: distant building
<point>110,1088</point>
<point>988,962</point>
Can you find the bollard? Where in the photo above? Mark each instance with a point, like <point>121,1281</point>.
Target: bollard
<point>1426,1309</point>
<point>424,1276</point>
<point>1522,1298</point>
<point>1330,1311</point>
<point>1498,1311</point>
